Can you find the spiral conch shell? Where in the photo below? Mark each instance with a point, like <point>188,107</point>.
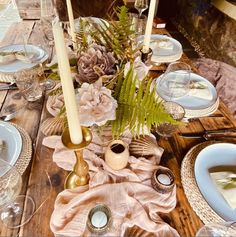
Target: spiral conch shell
<point>52,126</point>
<point>146,146</point>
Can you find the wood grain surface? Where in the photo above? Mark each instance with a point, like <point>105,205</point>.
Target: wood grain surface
<point>36,183</point>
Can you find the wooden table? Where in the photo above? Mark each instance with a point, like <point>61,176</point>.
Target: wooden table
<point>36,183</point>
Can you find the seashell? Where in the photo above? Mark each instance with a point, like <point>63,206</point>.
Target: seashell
<point>52,126</point>
<point>54,104</point>
<point>136,231</point>
<point>146,146</point>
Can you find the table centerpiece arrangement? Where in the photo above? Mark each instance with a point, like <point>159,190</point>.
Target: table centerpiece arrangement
<point>112,83</point>
<point>114,99</point>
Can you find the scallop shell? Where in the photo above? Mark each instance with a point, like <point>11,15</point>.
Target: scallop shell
<point>52,126</point>
<point>136,231</point>
<point>146,146</point>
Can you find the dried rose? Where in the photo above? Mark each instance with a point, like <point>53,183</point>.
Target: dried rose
<point>96,104</point>
<point>93,63</point>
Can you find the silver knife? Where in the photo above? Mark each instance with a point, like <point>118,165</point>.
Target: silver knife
<point>228,132</point>
<point>11,86</point>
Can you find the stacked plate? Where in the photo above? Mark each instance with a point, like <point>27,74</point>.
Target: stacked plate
<point>10,143</point>
<point>201,100</point>
<point>165,49</point>
<point>33,56</point>
<point>215,172</point>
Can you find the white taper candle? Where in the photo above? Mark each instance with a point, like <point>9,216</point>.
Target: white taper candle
<point>148,30</point>
<point>72,22</point>
<point>67,84</point>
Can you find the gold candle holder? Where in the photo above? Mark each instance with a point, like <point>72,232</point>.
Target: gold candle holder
<point>80,174</point>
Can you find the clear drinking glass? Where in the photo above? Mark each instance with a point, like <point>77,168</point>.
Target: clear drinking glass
<point>47,16</point>
<point>141,6</point>
<point>175,82</point>
<point>28,82</point>
<point>226,229</point>
<point>11,203</point>
<point>177,112</point>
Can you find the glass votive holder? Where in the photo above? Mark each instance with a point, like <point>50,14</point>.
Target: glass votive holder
<point>177,112</point>
<point>28,82</point>
<point>163,180</point>
<point>99,219</point>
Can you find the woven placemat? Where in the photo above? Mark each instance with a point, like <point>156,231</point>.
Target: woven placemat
<point>194,196</point>
<point>26,151</point>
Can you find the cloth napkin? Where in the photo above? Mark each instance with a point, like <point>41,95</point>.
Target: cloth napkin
<point>127,192</point>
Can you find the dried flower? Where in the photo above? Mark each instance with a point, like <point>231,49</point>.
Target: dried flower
<point>93,63</point>
<point>96,105</point>
<point>140,69</point>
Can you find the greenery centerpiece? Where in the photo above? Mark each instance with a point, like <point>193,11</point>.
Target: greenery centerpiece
<point>114,87</point>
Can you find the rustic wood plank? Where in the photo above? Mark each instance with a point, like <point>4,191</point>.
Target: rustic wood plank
<point>38,183</point>
<point>182,218</point>
<point>16,32</point>
<point>29,9</point>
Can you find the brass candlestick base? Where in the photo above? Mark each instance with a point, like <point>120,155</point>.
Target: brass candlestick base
<point>79,176</point>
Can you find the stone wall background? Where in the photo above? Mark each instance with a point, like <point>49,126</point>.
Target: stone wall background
<point>214,31</point>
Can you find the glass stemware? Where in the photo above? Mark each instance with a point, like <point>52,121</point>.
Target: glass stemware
<point>227,229</point>
<point>15,210</point>
<point>175,82</point>
<point>141,6</point>
<point>47,16</point>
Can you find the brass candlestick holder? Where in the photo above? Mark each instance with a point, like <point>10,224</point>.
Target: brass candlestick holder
<point>80,174</point>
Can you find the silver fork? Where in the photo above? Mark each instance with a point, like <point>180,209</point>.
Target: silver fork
<point>9,116</point>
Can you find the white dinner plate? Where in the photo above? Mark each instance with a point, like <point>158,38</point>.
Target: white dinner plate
<point>38,56</point>
<point>95,21</point>
<point>196,99</point>
<point>210,158</point>
<point>165,49</point>
<point>12,142</point>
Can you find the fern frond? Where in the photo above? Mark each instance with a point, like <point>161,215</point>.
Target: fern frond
<point>138,109</point>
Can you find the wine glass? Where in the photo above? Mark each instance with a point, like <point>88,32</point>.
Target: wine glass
<point>47,16</point>
<point>141,6</point>
<point>175,82</point>
<point>227,229</point>
<point>15,210</point>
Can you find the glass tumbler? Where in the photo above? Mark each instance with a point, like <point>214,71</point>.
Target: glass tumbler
<point>28,82</point>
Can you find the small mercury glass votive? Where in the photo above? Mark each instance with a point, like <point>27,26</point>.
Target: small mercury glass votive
<point>163,180</point>
<point>146,57</point>
<point>99,219</point>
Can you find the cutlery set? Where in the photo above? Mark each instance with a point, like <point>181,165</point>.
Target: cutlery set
<point>218,133</point>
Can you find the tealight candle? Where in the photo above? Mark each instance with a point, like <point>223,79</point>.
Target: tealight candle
<point>164,179</point>
<point>99,219</point>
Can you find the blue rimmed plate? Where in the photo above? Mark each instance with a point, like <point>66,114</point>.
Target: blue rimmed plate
<point>12,142</point>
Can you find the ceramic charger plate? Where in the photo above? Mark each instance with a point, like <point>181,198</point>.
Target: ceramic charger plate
<point>37,56</point>
<point>214,157</point>
<point>198,102</point>
<point>12,142</point>
<point>165,49</point>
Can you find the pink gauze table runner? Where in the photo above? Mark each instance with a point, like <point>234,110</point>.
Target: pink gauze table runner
<point>127,192</point>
